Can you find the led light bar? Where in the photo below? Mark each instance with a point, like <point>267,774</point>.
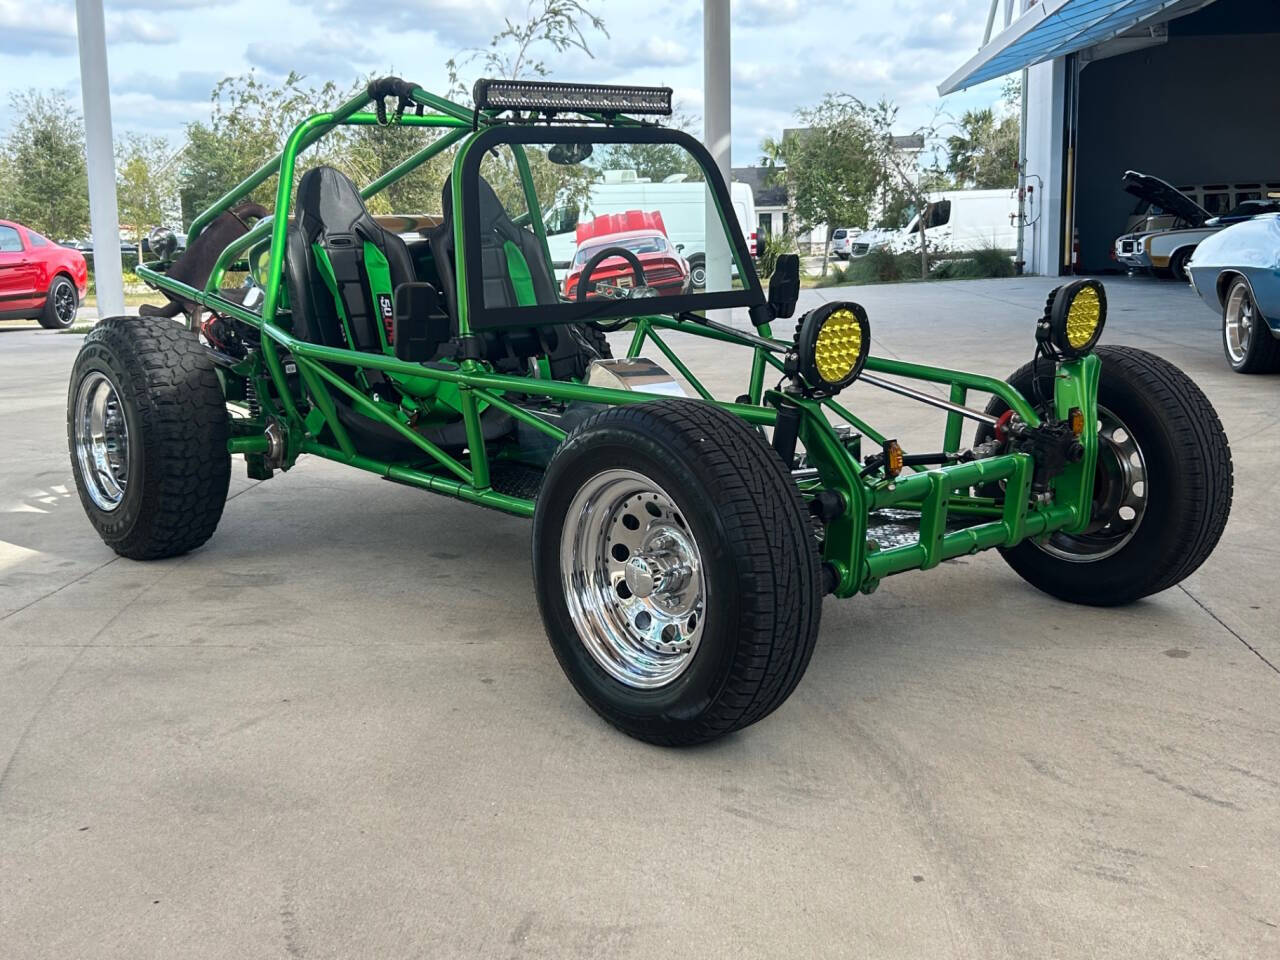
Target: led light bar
<point>570,97</point>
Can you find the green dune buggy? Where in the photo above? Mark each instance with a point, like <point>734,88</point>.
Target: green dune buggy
<point>682,544</point>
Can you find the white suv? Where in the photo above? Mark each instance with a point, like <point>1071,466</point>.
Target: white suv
<point>841,240</point>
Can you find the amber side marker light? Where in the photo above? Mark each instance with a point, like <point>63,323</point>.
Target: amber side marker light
<point>892,459</point>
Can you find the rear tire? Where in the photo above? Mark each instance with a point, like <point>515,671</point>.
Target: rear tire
<point>1247,340</point>
<point>1178,265</point>
<point>724,613</point>
<point>60,305</point>
<point>1153,409</point>
<point>147,433</point>
<point>698,271</point>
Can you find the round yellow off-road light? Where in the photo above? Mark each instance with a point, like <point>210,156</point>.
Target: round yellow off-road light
<point>832,345</point>
<point>1077,317</point>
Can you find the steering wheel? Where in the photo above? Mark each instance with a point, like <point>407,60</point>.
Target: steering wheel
<point>632,260</point>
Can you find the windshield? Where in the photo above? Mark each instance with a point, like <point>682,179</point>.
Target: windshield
<point>1251,208</point>
<point>644,190</point>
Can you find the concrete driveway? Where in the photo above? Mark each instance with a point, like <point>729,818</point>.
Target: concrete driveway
<point>337,730</point>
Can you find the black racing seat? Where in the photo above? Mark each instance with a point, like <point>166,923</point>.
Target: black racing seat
<point>514,265</point>
<point>343,271</point>
<point>516,272</point>
<point>343,268</point>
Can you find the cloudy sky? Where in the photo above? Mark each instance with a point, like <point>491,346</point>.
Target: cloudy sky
<point>165,55</point>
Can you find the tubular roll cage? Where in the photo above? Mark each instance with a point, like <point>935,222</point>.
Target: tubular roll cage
<point>935,493</point>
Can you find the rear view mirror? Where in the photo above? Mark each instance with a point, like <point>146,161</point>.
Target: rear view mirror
<point>784,285</point>
<point>569,154</point>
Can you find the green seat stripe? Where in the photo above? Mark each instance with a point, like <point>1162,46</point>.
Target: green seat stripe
<point>521,278</point>
<point>380,295</point>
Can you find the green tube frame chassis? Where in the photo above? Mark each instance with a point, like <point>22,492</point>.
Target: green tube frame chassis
<point>294,413</point>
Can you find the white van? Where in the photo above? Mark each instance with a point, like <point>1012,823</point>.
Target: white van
<point>681,202</point>
<point>956,220</point>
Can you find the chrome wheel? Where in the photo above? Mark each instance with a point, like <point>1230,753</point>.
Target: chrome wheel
<point>64,303</point>
<point>101,440</point>
<point>1119,497</point>
<point>633,579</point>
<point>1238,318</point>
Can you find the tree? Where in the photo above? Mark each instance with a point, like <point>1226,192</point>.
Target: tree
<point>984,154</point>
<point>47,184</point>
<point>145,183</point>
<point>513,52</point>
<point>905,186</point>
<point>249,122</point>
<point>831,169</point>
<point>654,162</point>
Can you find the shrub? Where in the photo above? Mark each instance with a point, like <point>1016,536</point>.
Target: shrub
<point>882,266</point>
<point>975,265</point>
<point>770,248</point>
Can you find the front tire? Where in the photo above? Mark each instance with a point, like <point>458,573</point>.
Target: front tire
<point>1247,340</point>
<point>675,570</point>
<point>147,433</point>
<point>1162,489</point>
<point>60,305</point>
<point>1178,265</point>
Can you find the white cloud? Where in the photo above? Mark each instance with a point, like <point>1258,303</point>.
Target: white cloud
<point>28,29</point>
<point>653,52</point>
<point>327,57</point>
<point>766,13</point>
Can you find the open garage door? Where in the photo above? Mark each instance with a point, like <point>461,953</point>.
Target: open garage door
<point>1195,105</point>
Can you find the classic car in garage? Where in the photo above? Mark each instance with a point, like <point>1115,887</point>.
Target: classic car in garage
<point>1175,226</point>
<point>1237,272</point>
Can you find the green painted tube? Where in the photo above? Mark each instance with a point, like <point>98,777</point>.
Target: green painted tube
<point>972,381</point>
<point>414,162</point>
<point>983,536</point>
<point>520,413</point>
<point>254,444</point>
<point>680,366</point>
<point>428,481</point>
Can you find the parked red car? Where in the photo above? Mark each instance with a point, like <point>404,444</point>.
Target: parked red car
<point>642,234</point>
<point>38,278</point>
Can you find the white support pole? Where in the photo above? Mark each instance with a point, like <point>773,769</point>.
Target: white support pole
<point>104,218</point>
<point>991,19</point>
<point>716,130</point>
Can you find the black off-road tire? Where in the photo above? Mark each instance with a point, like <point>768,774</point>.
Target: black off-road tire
<point>1263,353</point>
<point>178,464</point>
<point>764,594</point>
<point>56,315</point>
<point>1188,484</point>
<point>597,339</point>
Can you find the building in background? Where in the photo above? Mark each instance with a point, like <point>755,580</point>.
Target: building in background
<point>1184,90</point>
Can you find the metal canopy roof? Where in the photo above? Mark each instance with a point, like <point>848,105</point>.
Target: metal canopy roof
<point>1054,28</point>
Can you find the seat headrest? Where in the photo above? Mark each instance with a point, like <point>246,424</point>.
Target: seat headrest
<point>492,211</point>
<point>328,199</point>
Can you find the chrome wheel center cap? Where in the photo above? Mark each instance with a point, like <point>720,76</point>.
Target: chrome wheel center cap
<point>639,576</point>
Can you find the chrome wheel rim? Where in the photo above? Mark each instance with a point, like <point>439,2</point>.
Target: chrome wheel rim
<point>101,438</point>
<point>698,275</point>
<point>64,303</point>
<point>1119,497</point>
<point>633,579</point>
<point>1238,323</point>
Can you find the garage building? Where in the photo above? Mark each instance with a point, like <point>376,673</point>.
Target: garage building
<point>1184,90</point>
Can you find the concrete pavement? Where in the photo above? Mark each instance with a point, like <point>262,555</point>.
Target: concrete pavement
<point>337,730</point>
